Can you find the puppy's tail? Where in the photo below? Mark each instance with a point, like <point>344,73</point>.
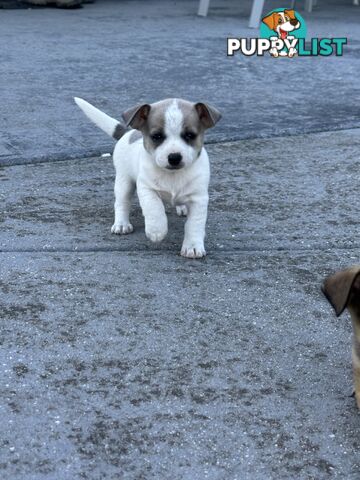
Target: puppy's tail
<point>109,125</point>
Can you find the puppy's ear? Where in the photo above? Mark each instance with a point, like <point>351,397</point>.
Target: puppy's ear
<point>270,21</point>
<point>339,288</point>
<point>208,115</point>
<point>137,116</point>
<point>291,13</point>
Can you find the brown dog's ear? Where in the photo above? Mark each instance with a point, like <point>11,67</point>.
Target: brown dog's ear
<point>136,116</point>
<point>270,21</point>
<point>208,115</point>
<point>291,13</point>
<point>338,288</point>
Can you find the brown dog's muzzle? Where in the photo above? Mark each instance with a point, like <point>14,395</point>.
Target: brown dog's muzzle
<point>343,291</point>
<point>294,22</point>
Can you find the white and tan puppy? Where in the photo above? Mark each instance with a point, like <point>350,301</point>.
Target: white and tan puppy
<point>163,157</point>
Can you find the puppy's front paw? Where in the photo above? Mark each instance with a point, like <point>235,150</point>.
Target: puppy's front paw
<point>122,228</point>
<point>181,210</point>
<point>155,235</point>
<point>193,250</point>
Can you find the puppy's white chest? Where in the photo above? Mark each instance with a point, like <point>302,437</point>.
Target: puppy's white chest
<point>171,197</point>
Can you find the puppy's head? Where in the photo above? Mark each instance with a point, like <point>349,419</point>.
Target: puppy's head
<point>173,130</point>
<point>343,290</point>
<point>282,22</point>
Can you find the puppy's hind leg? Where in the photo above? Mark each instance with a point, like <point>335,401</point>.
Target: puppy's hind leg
<point>124,189</point>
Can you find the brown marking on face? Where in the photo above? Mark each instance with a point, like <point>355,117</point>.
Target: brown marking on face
<point>192,131</point>
<point>155,124</point>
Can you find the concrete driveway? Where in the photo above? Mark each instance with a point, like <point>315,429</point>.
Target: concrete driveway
<point>120,359</point>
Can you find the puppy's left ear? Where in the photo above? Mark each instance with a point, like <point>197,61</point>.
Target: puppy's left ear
<point>339,287</point>
<point>270,21</point>
<point>208,115</point>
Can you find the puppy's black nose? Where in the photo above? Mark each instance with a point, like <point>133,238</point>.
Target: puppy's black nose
<point>174,159</point>
<point>294,22</point>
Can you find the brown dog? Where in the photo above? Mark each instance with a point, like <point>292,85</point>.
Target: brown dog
<point>343,291</point>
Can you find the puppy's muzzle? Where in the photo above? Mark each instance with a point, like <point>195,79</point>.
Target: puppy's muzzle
<point>294,22</point>
<point>174,160</point>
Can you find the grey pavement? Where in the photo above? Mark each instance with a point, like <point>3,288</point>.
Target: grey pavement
<point>122,360</point>
<point>119,53</point>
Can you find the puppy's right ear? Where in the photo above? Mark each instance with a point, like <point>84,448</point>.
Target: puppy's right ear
<point>137,116</point>
<point>339,287</point>
<point>208,115</point>
<point>270,21</point>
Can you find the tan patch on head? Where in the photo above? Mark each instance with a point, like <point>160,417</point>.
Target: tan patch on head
<point>156,118</point>
<point>192,123</point>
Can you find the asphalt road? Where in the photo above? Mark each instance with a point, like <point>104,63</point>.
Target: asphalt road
<point>121,359</point>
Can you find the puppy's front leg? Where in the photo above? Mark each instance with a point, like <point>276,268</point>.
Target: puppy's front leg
<point>156,225</point>
<point>124,189</point>
<point>193,244</point>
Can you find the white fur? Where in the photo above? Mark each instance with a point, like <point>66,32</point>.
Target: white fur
<point>186,188</point>
<point>103,121</point>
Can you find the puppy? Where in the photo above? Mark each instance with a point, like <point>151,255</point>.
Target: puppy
<point>282,23</point>
<point>343,291</point>
<point>163,157</point>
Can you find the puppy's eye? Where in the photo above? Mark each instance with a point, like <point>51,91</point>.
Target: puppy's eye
<point>280,21</point>
<point>157,137</point>
<point>189,136</point>
<point>287,18</point>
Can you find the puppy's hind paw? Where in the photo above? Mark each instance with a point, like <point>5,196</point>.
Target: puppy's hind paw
<point>181,210</point>
<point>122,228</point>
<point>193,251</point>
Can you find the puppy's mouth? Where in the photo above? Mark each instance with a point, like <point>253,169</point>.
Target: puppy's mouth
<point>174,167</point>
<point>283,34</point>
